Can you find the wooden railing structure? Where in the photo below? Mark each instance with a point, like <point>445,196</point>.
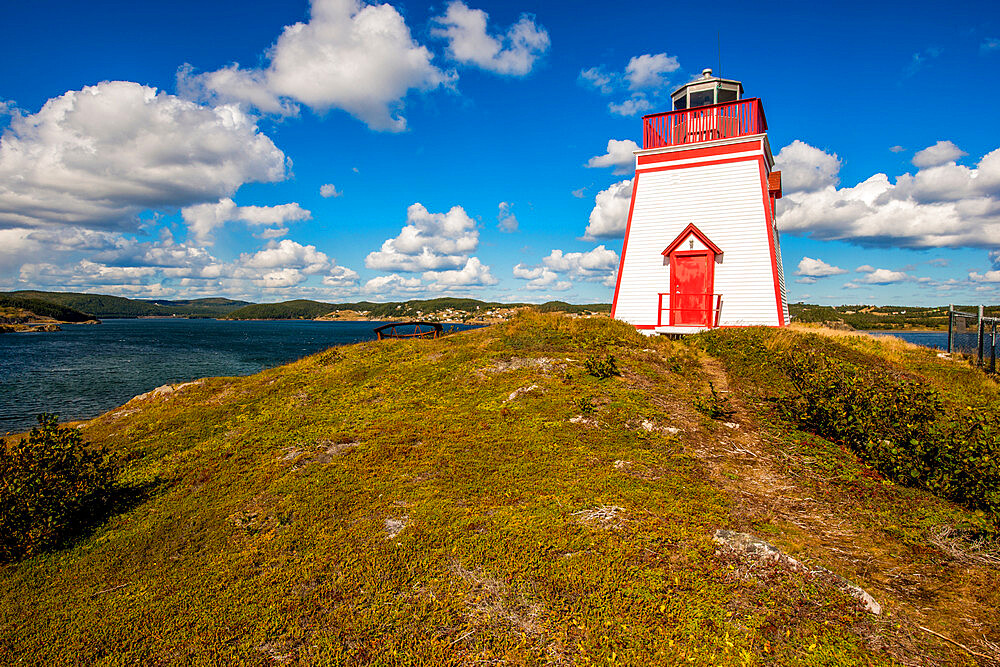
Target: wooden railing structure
<point>717,121</point>
<point>706,315</point>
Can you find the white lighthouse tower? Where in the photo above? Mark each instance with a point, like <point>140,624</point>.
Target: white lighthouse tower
<point>701,245</point>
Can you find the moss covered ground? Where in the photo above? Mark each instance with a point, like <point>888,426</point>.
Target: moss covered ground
<point>483,499</point>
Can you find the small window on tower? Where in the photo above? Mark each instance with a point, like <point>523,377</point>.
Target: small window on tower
<point>680,102</point>
<point>702,98</point>
<point>726,96</point>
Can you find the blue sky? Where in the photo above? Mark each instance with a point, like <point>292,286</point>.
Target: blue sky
<point>344,151</point>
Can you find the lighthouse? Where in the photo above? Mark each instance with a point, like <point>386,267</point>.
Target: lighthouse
<point>701,244</point>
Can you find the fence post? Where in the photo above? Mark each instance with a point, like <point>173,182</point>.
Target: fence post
<point>993,347</point>
<point>982,331</point>
<point>951,328</point>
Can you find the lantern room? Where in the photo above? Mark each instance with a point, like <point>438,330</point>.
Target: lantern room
<point>706,91</point>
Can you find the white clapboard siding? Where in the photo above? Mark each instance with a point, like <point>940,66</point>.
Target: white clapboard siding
<point>726,202</point>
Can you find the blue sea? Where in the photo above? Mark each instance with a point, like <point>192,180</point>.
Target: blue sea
<point>85,370</point>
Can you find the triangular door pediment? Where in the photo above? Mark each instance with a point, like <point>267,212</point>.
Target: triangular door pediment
<point>691,232</point>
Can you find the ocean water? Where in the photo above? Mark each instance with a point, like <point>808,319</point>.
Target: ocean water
<point>85,370</point>
<point>935,339</point>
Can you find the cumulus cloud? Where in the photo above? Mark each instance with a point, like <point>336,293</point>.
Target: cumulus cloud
<point>428,242</point>
<point>805,168</point>
<point>203,219</point>
<point>946,205</point>
<point>596,265</point>
<point>631,107</point>
<point>469,43</point>
<point>817,268</point>
<point>473,274</point>
<point>940,153</point>
<point>645,81</point>
<point>352,56</point>
<point>881,277</point>
<point>610,213</point>
<point>648,71</point>
<point>619,155</point>
<point>329,190</point>
<point>287,254</point>
<point>506,221</point>
<point>393,283</point>
<point>541,278</point>
<point>96,157</point>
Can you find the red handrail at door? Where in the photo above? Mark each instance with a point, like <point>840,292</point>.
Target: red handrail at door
<point>716,121</point>
<point>713,313</point>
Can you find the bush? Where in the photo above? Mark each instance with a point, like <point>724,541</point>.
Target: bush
<point>713,405</point>
<point>51,487</point>
<point>899,426</point>
<point>601,368</point>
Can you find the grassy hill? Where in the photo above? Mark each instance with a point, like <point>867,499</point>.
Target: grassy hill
<point>487,498</point>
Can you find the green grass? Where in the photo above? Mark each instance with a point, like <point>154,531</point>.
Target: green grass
<point>265,535</point>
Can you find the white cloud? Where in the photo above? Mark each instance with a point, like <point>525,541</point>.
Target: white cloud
<point>329,190</point>
<point>579,194</point>
<point>98,156</point>
<point>882,277</point>
<point>469,43</point>
<point>287,254</point>
<point>598,78</point>
<point>817,268</point>
<point>946,205</point>
<point>610,214</point>
<point>647,71</point>
<point>988,277</point>
<point>897,148</point>
<point>473,274</point>
<point>940,153</point>
<point>865,268</point>
<point>631,107</point>
<point>805,168</point>
<point>272,233</point>
<point>350,55</point>
<point>645,80</point>
<point>592,265</point>
<point>541,278</point>
<point>393,283</point>
<point>989,45</point>
<point>428,242</point>
<point>619,155</point>
<point>506,220</point>
<point>203,219</point>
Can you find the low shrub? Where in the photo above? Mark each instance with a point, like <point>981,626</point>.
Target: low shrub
<point>900,426</point>
<point>602,368</point>
<point>714,406</point>
<point>51,487</point>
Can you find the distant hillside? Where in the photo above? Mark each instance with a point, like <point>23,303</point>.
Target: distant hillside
<point>441,308</point>
<point>45,309</point>
<point>104,306</point>
<point>872,318</point>
<point>299,309</point>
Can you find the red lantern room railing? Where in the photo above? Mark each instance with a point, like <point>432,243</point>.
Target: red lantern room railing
<point>716,121</point>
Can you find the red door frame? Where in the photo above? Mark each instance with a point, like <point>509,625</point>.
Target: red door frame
<point>706,297</point>
<point>710,251</point>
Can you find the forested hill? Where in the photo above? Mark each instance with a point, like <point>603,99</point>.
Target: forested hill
<point>870,318</point>
<point>45,309</point>
<point>441,309</point>
<point>104,305</point>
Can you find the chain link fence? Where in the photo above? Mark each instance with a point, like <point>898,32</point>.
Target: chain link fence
<point>974,335</point>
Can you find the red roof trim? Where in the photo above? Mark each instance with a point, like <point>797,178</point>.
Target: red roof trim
<point>691,229</point>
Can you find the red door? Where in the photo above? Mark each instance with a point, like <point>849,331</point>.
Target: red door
<point>691,279</point>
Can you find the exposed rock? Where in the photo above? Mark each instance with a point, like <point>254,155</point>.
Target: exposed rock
<point>395,526</point>
<point>732,425</point>
<point>520,390</point>
<point>757,549</point>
